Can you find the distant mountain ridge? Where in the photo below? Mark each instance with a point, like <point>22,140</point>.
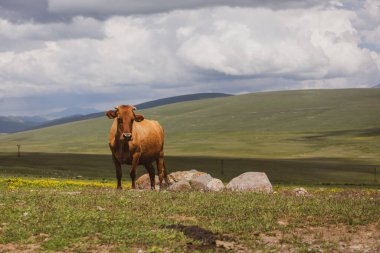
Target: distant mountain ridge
<point>376,86</point>
<point>69,112</point>
<point>9,127</point>
<point>10,124</point>
<point>178,99</point>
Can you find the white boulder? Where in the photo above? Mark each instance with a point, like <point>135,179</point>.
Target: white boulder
<point>251,181</point>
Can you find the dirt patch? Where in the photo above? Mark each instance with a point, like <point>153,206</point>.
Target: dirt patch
<point>94,249</point>
<point>339,238</point>
<point>13,247</point>
<point>207,239</point>
<point>196,233</point>
<point>33,244</point>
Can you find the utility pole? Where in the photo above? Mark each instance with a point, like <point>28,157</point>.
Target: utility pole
<point>18,150</point>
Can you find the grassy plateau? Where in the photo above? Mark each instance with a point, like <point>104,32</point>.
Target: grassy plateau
<point>286,124</point>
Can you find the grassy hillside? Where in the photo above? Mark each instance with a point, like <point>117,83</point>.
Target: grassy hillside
<point>310,123</point>
<point>145,105</point>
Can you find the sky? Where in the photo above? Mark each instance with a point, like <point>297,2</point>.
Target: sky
<point>57,54</point>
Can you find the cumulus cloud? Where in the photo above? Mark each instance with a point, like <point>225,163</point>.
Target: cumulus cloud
<point>193,47</point>
<point>178,46</point>
<point>262,42</point>
<point>367,23</point>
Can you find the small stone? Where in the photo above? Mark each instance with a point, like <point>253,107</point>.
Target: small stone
<point>301,192</point>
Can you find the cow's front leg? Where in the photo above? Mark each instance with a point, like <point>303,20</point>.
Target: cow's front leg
<point>135,163</point>
<point>119,172</point>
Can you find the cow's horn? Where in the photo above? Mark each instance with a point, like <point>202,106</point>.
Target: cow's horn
<point>134,108</point>
<point>116,108</point>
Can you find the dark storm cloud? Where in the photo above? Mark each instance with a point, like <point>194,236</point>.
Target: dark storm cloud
<point>63,10</point>
<point>129,7</point>
<point>26,11</point>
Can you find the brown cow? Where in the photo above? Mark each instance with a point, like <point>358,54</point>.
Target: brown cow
<point>136,141</point>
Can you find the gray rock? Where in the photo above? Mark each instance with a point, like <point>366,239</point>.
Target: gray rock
<point>184,181</point>
<point>251,181</point>
<point>200,183</point>
<point>181,186</point>
<point>215,185</point>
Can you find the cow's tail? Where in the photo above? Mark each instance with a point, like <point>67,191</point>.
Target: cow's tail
<point>166,175</point>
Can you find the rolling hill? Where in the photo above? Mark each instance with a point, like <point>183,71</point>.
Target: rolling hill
<point>145,105</point>
<point>285,124</point>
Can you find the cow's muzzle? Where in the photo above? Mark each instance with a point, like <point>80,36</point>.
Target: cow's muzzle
<point>127,136</point>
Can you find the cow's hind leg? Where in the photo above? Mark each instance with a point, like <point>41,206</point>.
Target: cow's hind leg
<point>149,167</point>
<point>119,172</point>
<point>166,175</point>
<point>161,170</point>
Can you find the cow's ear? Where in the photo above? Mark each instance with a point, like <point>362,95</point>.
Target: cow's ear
<point>111,114</point>
<point>139,117</point>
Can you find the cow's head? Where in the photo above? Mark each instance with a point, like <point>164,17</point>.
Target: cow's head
<point>125,116</point>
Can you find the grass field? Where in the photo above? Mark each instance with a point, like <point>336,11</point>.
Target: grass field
<point>312,136</point>
<point>82,216</point>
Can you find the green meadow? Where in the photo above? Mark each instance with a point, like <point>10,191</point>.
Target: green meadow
<point>80,216</point>
<point>308,136</point>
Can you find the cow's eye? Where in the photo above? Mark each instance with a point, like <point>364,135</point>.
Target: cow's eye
<point>120,121</point>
